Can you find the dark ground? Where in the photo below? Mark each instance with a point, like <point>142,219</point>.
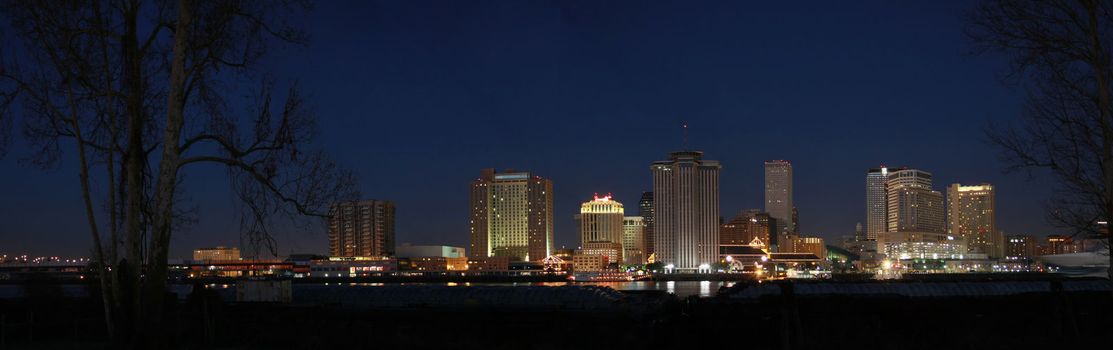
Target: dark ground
<point>1074,320</point>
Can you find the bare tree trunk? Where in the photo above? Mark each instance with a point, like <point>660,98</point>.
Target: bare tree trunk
<point>98,251</point>
<point>131,267</point>
<point>1099,64</point>
<point>168,167</point>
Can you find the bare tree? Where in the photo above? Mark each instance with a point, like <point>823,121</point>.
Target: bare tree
<point>138,90</point>
<point>1060,49</point>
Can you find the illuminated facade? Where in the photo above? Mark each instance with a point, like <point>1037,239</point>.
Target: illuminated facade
<point>361,228</point>
<point>434,263</point>
<point>511,215</point>
<point>746,226</point>
<point>778,193</point>
<point>877,204</point>
<point>600,220</point>
<point>350,267</point>
<point>489,263</point>
<point>633,240</point>
<point>971,214</point>
<point>814,245</point>
<point>217,254</point>
<point>611,251</point>
<point>921,245</point>
<point>686,211</point>
<point>911,203</point>
<point>589,263</point>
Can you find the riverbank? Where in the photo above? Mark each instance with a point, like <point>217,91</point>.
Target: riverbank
<point>766,315</point>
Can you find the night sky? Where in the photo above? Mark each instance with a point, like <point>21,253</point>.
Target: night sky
<point>418,96</point>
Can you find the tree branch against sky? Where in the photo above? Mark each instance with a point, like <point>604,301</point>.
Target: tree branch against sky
<point>1060,52</point>
<point>140,91</point>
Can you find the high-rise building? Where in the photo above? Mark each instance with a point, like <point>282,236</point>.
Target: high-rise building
<point>971,213</point>
<point>747,225</point>
<point>686,210</point>
<point>778,193</point>
<point>912,205</point>
<point>361,228</point>
<point>601,221</point>
<point>633,240</point>
<point>1021,247</point>
<point>877,205</point>
<point>511,216</point>
<point>645,210</point>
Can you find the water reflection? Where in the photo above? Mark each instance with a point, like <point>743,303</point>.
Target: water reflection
<point>682,289</point>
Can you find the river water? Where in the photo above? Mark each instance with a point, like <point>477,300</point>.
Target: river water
<point>681,289</point>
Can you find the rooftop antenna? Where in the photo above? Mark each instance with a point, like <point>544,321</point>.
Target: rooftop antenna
<point>685,137</point>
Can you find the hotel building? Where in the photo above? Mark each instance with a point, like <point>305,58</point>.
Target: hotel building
<point>511,216</point>
<point>971,214</point>
<point>912,205</point>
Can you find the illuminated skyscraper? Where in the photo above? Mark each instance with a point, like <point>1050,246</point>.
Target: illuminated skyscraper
<point>511,215</point>
<point>778,193</point>
<point>633,240</point>
<point>645,210</point>
<point>686,210</point>
<point>912,205</point>
<point>971,213</point>
<point>361,228</point>
<point>600,220</point>
<point>877,213</point>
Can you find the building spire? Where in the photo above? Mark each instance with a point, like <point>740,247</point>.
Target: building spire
<point>685,127</point>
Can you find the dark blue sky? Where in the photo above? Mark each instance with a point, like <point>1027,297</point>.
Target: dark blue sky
<point>418,96</point>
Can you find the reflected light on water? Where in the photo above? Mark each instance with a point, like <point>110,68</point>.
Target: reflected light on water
<point>704,288</point>
<point>670,286</point>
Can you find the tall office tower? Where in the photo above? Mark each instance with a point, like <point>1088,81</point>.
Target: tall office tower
<point>747,225</point>
<point>912,205</point>
<point>686,210</point>
<point>971,213</point>
<point>511,216</point>
<point>859,235</point>
<point>633,240</point>
<point>645,210</point>
<point>600,220</point>
<point>361,228</point>
<point>877,205</point>
<point>778,193</point>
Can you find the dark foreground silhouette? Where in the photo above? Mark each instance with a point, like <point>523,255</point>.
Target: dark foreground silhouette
<point>921,314</point>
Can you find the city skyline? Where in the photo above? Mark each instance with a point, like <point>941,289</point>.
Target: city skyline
<point>642,174</point>
<point>725,101</point>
